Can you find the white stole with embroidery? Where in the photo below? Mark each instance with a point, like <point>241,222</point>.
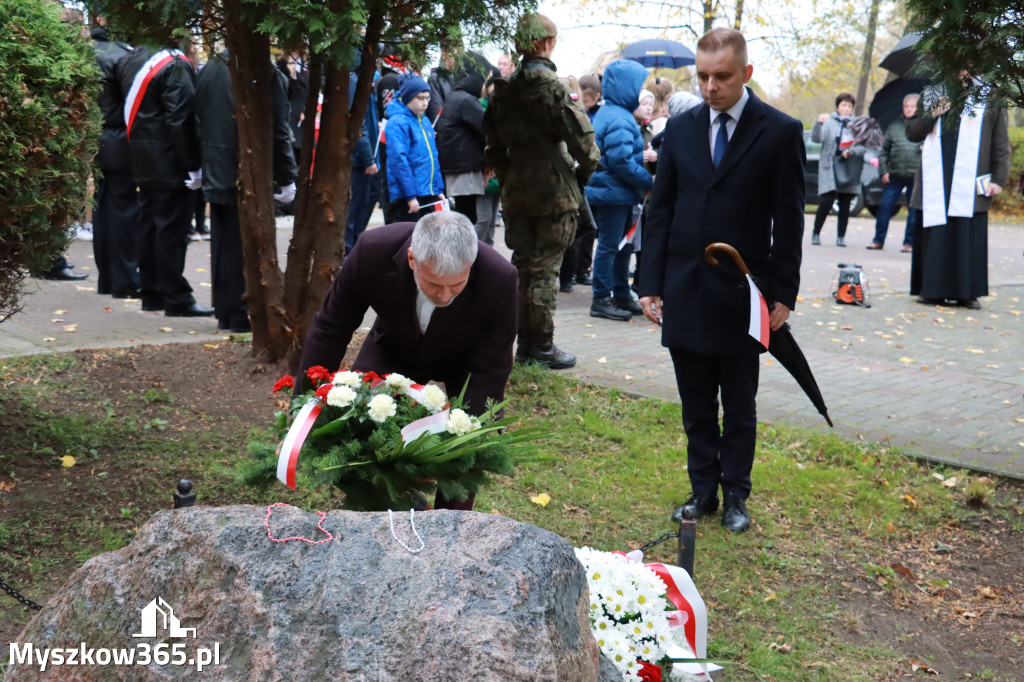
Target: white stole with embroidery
<point>965,169</point>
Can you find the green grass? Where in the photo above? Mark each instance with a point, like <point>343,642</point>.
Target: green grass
<point>824,509</point>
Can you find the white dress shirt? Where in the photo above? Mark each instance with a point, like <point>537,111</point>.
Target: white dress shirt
<point>734,118</point>
<point>424,309</point>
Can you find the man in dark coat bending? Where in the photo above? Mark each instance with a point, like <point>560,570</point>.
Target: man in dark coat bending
<point>730,171</point>
<point>446,309</point>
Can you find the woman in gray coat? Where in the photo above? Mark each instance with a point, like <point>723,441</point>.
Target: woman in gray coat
<point>837,148</point>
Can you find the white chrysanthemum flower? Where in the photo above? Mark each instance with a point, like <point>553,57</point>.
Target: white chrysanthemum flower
<point>341,396</point>
<point>350,379</point>
<point>396,380</point>
<point>434,398</point>
<point>461,423</point>
<point>381,407</point>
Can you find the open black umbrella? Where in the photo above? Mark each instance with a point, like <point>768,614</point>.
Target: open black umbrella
<point>659,53</point>
<point>781,343</point>
<point>887,104</point>
<point>905,60</point>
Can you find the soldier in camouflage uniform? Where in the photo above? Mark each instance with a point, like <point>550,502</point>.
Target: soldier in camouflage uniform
<point>535,136</point>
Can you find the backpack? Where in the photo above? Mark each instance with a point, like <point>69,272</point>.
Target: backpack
<point>850,286</point>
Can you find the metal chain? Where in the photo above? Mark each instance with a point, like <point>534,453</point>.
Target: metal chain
<point>663,538</point>
<point>20,597</point>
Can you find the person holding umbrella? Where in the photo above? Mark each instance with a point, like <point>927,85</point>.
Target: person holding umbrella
<point>711,187</point>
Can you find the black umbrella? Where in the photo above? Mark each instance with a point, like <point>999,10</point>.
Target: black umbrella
<point>659,53</point>
<point>905,60</point>
<point>781,343</point>
<point>887,103</point>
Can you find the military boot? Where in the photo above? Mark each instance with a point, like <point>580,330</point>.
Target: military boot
<point>550,356</point>
<point>523,351</point>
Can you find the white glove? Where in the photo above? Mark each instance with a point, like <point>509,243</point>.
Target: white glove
<point>286,194</point>
<point>195,179</point>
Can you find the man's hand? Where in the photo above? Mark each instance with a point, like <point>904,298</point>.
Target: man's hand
<point>993,189</point>
<point>777,317</point>
<point>652,308</point>
<point>414,205</point>
<point>371,169</point>
<point>885,179</point>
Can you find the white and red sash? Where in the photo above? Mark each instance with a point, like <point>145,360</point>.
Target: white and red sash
<point>141,82</point>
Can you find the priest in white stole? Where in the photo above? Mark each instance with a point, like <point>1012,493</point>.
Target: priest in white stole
<point>965,161</point>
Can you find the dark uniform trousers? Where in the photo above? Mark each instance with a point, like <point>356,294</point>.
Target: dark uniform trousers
<point>163,240</point>
<point>114,224</point>
<point>718,456</point>
<point>227,264</point>
<point>538,244</point>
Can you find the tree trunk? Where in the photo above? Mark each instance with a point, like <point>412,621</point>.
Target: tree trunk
<point>739,15</point>
<point>865,65</point>
<point>708,7</point>
<point>251,78</point>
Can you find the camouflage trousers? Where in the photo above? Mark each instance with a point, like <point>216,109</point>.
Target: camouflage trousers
<point>537,244</point>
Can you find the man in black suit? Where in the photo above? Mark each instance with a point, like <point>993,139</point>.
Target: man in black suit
<point>446,309</point>
<point>729,171</point>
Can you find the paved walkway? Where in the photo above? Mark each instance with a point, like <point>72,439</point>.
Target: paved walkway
<point>945,383</point>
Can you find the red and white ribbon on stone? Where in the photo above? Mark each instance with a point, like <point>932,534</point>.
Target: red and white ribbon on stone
<point>758,327</point>
<point>141,83</point>
<point>288,456</point>
<point>435,423</point>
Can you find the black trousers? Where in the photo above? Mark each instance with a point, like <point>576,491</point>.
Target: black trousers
<point>114,227</point>
<point>162,239</point>
<point>718,456</point>
<point>227,264</point>
<point>825,202</point>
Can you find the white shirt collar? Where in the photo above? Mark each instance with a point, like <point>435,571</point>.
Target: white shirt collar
<point>424,310</point>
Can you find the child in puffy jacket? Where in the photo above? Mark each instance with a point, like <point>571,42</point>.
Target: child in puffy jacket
<point>415,184</point>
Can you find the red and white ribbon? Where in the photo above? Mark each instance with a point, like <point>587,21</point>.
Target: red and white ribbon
<point>758,327</point>
<point>435,423</point>
<point>141,83</point>
<point>288,457</point>
<point>628,237</point>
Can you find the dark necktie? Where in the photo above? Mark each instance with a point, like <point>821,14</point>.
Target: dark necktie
<point>721,140</point>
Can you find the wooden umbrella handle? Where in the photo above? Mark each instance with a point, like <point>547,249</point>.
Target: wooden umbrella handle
<point>709,255</point>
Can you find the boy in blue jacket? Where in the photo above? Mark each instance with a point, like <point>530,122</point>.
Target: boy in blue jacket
<point>617,187</point>
<point>414,175</point>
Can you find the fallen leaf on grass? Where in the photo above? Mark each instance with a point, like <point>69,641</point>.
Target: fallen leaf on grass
<point>906,359</point>
<point>771,596</point>
<point>950,482</point>
<point>541,499</point>
<point>57,319</point>
<point>70,327</point>
<point>976,351</point>
<point>62,311</point>
<point>211,345</point>
<point>986,592</point>
<point>108,310</point>
<point>67,461</point>
<point>6,487</point>
<point>166,329</point>
<point>903,571</point>
<point>602,360</point>
<point>49,339</point>
<point>783,648</point>
<point>911,502</point>
<point>915,666</point>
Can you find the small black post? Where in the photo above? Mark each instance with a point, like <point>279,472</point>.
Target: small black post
<point>687,540</point>
<point>184,497</point>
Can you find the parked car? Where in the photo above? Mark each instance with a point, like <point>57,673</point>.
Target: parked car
<point>870,194</point>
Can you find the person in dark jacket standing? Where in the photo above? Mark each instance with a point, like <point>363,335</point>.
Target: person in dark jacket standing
<point>163,150</point>
<point>897,165</point>
<point>535,136</point>
<point>617,188</point>
<point>460,148</point>
<point>218,129</point>
<point>365,177</point>
<point>115,219</point>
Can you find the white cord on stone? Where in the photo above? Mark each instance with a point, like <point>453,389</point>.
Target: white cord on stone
<point>412,522</point>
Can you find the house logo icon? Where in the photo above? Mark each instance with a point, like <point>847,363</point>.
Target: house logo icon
<point>156,612</point>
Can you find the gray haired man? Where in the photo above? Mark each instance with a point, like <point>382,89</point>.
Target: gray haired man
<point>446,309</point>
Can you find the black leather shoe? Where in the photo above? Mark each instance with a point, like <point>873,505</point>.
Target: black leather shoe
<point>151,305</point>
<point>240,325</point>
<point>127,293</point>
<point>734,513</point>
<point>606,308</point>
<point>628,304</point>
<point>65,275</point>
<point>194,310</point>
<point>550,356</point>
<point>969,303</point>
<point>700,505</point>
<point>565,287</point>
<point>584,280</point>
<point>930,301</point>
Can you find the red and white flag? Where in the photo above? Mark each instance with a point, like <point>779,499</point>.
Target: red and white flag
<point>439,205</point>
<point>288,456</point>
<point>141,83</point>
<point>758,327</point>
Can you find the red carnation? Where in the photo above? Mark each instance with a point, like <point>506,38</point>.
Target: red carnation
<point>649,672</point>
<point>284,382</point>
<point>371,377</point>
<point>318,373</point>
<point>323,391</point>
